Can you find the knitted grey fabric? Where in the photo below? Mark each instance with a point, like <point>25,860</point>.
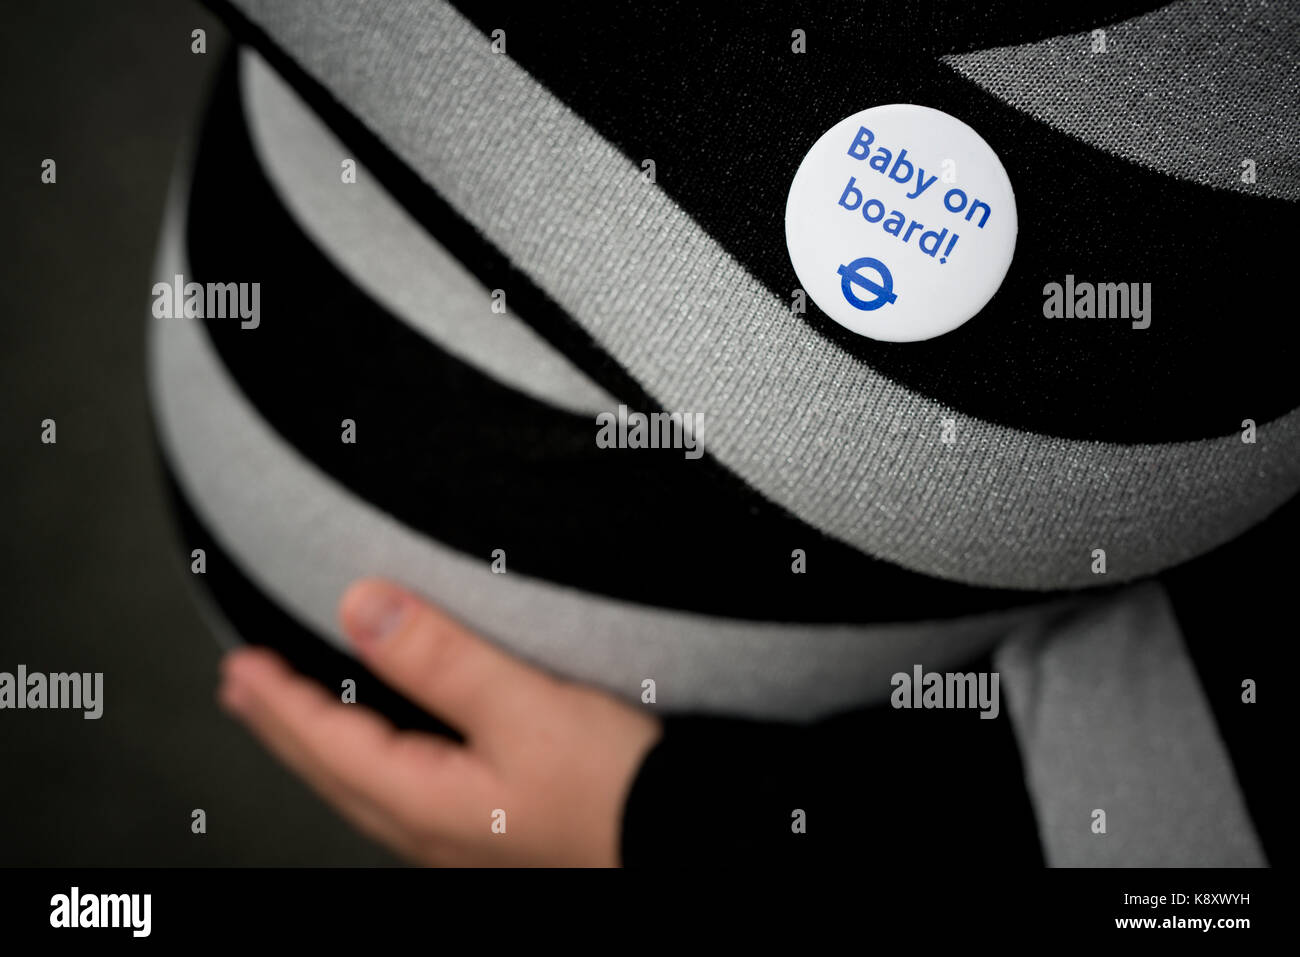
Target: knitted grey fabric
<point>374,242</point>
<point>1191,89</point>
<point>836,443</point>
<point>1110,716</point>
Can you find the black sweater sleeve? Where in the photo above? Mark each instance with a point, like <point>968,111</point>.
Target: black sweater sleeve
<point>877,782</point>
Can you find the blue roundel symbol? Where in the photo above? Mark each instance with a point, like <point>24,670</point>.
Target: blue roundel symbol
<point>882,292</point>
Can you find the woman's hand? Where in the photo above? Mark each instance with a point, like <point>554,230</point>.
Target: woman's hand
<point>556,758</point>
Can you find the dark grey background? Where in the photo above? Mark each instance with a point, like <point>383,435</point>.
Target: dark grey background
<point>90,578</point>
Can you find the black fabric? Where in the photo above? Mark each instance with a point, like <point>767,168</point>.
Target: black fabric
<point>1234,607</point>
<point>877,785</point>
<point>480,466</point>
<point>727,112</point>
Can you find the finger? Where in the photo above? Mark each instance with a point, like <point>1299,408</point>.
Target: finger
<point>239,701</point>
<point>418,780</point>
<point>439,664</point>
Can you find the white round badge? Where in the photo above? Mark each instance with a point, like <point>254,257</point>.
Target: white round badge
<point>901,222</point>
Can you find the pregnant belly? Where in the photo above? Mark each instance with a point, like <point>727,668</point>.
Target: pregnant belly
<point>383,418</point>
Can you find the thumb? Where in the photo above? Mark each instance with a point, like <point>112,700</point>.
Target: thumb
<point>438,663</point>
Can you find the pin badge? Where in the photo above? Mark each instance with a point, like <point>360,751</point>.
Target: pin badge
<point>901,223</point>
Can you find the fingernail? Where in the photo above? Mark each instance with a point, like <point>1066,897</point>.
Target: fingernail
<point>375,611</point>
